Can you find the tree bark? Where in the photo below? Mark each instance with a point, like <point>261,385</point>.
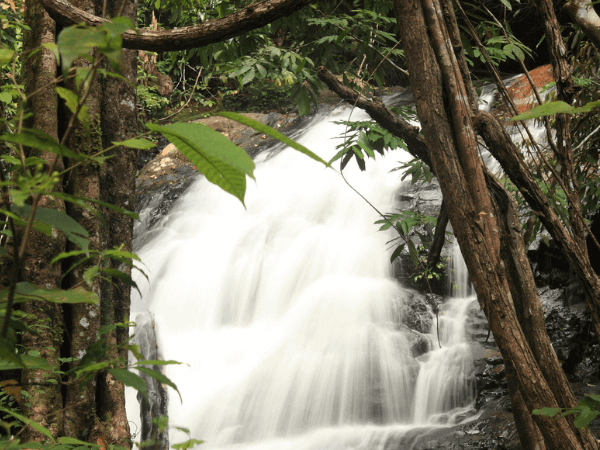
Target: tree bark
<point>447,129</point>
<point>45,401</point>
<point>583,14</point>
<point>249,18</point>
<point>505,151</point>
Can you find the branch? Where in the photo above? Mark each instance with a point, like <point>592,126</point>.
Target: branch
<point>583,14</point>
<point>381,114</point>
<point>249,18</point>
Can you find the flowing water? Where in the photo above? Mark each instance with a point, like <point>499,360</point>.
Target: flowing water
<point>288,318</point>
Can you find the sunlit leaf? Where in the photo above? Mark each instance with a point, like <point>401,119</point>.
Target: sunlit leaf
<point>142,144</point>
<point>273,133</point>
<point>222,162</point>
<point>6,56</point>
<point>558,107</point>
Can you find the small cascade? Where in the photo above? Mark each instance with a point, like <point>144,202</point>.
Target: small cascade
<point>459,282</point>
<point>287,316</point>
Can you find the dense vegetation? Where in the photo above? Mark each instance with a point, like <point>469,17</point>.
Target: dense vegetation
<point>68,164</point>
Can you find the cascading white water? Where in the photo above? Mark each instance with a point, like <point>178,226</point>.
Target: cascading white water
<point>288,317</point>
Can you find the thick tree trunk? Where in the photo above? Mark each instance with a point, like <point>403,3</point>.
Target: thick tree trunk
<point>117,187</point>
<point>441,106</point>
<point>40,71</point>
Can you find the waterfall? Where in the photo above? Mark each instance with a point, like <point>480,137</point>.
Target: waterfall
<point>291,327</point>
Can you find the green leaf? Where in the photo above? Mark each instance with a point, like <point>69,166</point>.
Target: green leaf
<point>32,423</point>
<point>142,144</point>
<point>187,444</point>
<point>26,361</point>
<point>54,49</point>
<point>6,56</point>
<point>40,141</point>
<point>558,107</point>
<point>121,276</point>
<point>588,402</point>
<point>130,379</point>
<point>72,101</point>
<point>60,220</point>
<point>397,252</point>
<point>584,418</point>
<point>8,352</point>
<point>5,97</point>
<point>248,77</point>
<point>548,412</point>
<point>77,41</point>
<point>273,133</point>
<point>71,440</point>
<point>161,378</point>
<point>222,162</point>
<point>261,70</point>
<point>30,291</point>
<point>155,362</point>
<point>82,201</point>
<point>89,275</point>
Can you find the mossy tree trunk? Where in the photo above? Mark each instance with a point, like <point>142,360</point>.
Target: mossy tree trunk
<point>95,411</point>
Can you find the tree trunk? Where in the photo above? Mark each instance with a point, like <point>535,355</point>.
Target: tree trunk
<point>40,70</point>
<point>441,106</point>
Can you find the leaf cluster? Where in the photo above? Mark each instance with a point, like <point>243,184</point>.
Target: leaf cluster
<point>362,140</point>
<point>585,411</point>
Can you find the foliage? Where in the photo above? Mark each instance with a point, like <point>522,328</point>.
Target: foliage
<point>361,140</point>
<point>585,411</point>
<point>11,46</point>
<point>498,39</point>
<point>283,54</point>
<point>552,108</point>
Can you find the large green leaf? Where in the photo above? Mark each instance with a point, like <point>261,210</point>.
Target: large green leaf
<point>161,378</point>
<point>83,202</point>
<point>584,418</point>
<point>261,127</point>
<point>26,361</point>
<point>548,412</point>
<point>27,290</point>
<point>40,141</point>
<point>60,220</point>
<point>558,107</point>
<point>130,379</point>
<point>222,162</point>
<point>77,41</point>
